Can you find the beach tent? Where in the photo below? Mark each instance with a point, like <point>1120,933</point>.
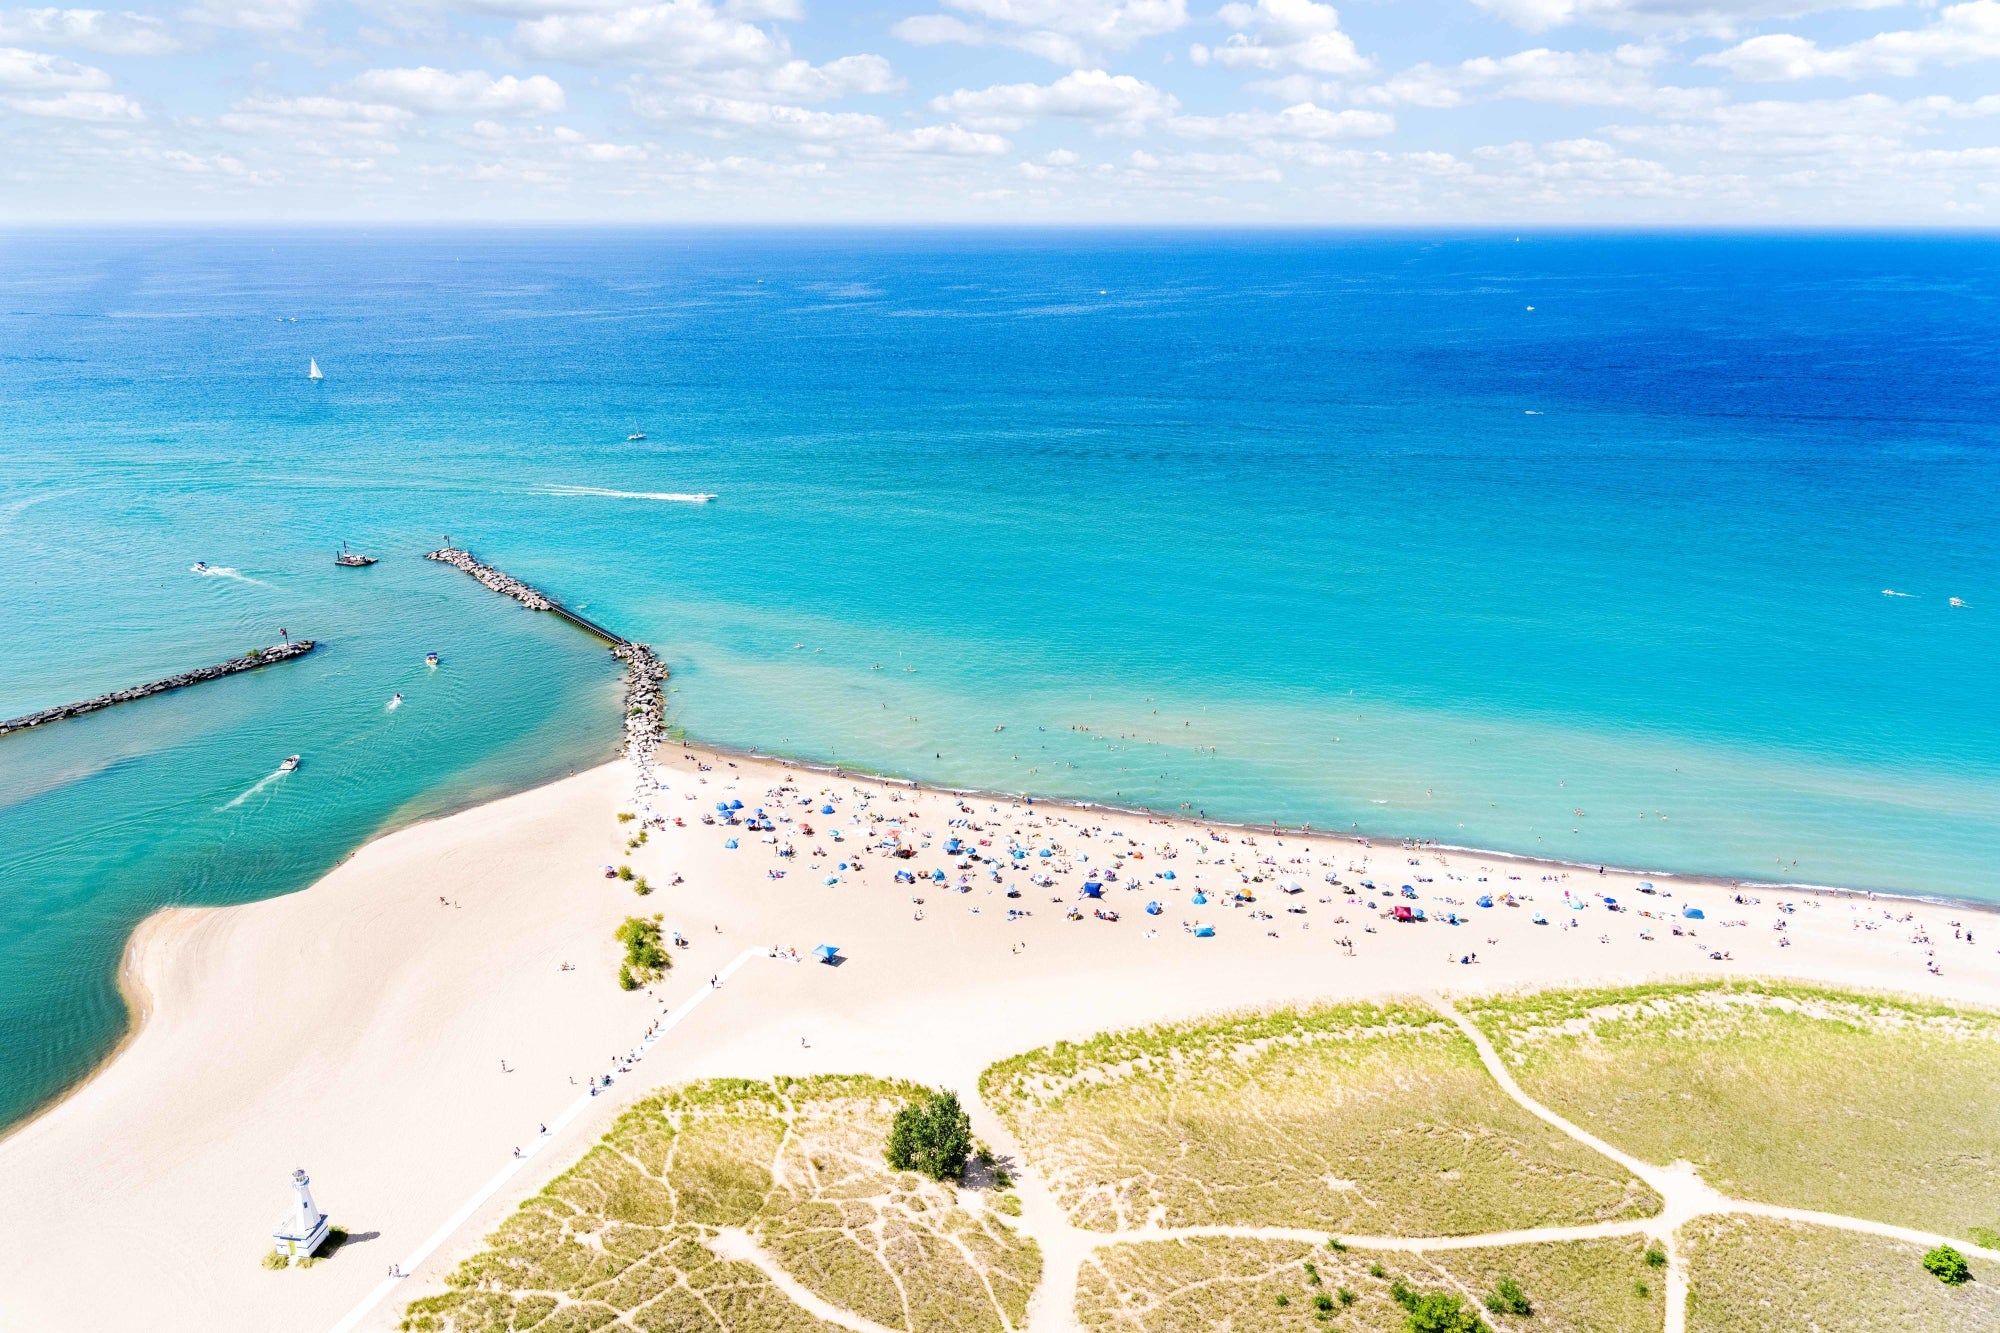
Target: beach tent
<point>954,846</point>
<point>1291,886</point>
<point>1403,913</point>
<point>833,879</point>
<point>826,953</point>
<point>1204,932</point>
<point>1200,898</point>
<point>1153,909</point>
<point>1486,900</point>
<point>730,845</point>
<point>826,809</point>
<point>1168,875</point>
<point>736,805</point>
<point>1045,853</point>
<point>1092,889</point>
<point>1693,913</point>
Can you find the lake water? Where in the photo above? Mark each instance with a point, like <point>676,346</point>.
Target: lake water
<point>1287,526</point>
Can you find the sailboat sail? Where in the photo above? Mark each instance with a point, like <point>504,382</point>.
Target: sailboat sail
<point>313,372</point>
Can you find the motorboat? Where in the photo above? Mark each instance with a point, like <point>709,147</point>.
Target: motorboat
<point>635,437</point>
<point>352,559</point>
<point>290,765</point>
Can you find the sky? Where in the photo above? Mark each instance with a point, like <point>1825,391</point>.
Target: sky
<point>1372,112</point>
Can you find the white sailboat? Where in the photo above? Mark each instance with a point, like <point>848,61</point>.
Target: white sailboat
<point>312,370</point>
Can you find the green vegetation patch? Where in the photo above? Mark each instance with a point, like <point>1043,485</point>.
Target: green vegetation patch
<point>1760,1275</point>
<point>1837,1102</point>
<point>645,1231</point>
<point>1269,1287</point>
<point>1367,1119</point>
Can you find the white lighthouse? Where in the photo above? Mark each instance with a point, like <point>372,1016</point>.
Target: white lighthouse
<point>304,1229</point>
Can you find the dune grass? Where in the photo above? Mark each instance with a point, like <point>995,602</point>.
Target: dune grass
<point>1265,1287</point>
<point>1758,1275</point>
<point>1788,1094</point>
<point>628,1237</point>
<point>1364,1118</point>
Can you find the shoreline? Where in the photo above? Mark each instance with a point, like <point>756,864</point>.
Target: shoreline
<point>1693,877</point>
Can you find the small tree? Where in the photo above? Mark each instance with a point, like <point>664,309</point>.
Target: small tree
<point>933,1136</point>
<point>1443,1312</point>
<point>1947,1266</point>
<point>646,956</point>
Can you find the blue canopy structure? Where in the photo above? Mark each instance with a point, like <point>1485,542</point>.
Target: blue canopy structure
<point>1204,932</point>
<point>1154,909</point>
<point>826,953</point>
<point>1168,875</point>
<point>1045,852</point>
<point>1092,889</point>
<point>1693,913</point>
<point>730,845</point>
<point>1200,898</point>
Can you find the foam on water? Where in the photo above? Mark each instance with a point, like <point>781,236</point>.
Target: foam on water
<point>679,497</point>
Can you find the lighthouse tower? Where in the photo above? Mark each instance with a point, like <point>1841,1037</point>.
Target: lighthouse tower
<point>304,1229</point>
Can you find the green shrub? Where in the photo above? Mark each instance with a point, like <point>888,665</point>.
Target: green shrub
<point>646,956</point>
<point>275,1261</point>
<point>1986,1238</point>
<point>1655,1256</point>
<point>640,886</point>
<point>1312,1273</point>
<point>1336,1244</point>
<point>1508,1298</point>
<point>1283,1300</point>
<point>1345,1296</point>
<point>933,1136</point>
<point>1947,1266</point>
<point>1443,1312</point>
<point>624,872</point>
<point>1640,1289</point>
<point>1375,1270</point>
<point>1403,1294</point>
<point>1323,1303</point>
<point>626,816</point>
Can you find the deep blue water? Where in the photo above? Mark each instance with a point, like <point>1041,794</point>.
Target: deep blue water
<point>1321,527</point>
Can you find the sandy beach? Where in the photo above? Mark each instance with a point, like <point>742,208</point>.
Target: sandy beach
<point>403,1026</point>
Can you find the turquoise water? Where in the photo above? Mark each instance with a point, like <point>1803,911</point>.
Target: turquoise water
<point>1305,527</point>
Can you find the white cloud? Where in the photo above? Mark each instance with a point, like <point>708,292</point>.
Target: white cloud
<point>1621,78</point>
<point>1842,130</point>
<point>683,34</point>
<point>1113,23</point>
<point>1960,33</point>
<point>253,15</point>
<point>1304,121</point>
<point>101,107</point>
<point>791,122</point>
<point>807,82</point>
<point>36,70</point>
<point>90,29</point>
<point>306,117</point>
<point>1114,101</point>
<point>1280,35</point>
<point>472,90</point>
<point>946,140</point>
<point>1720,17</point>
<point>943,29</point>
<point>1062,31</point>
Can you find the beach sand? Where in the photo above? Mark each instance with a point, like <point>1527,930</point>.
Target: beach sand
<point>358,1029</point>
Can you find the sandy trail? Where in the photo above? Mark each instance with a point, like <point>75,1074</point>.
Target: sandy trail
<point>358,1028</point>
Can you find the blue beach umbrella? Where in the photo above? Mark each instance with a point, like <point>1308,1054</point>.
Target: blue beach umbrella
<point>1200,898</point>
<point>730,845</point>
<point>826,809</point>
<point>938,876</point>
<point>1154,909</point>
<point>832,879</point>
<point>1168,875</point>
<point>826,953</point>
<point>1045,853</point>
<point>1693,913</point>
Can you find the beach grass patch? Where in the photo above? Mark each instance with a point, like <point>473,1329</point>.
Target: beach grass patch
<point>1363,1119</point>
<point>1248,1286</point>
<point>1764,1275</point>
<point>646,1230</point>
<point>1834,1101</point>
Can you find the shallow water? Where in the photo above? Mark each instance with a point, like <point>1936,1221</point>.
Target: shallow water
<point>1324,528</point>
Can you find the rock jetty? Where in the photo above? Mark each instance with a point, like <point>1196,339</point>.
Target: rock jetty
<point>645,703</point>
<point>250,661</point>
<point>492,578</point>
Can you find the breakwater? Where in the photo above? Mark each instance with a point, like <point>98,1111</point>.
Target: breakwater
<point>645,674</point>
<point>250,661</point>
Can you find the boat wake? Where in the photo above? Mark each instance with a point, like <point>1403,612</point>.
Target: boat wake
<point>209,571</point>
<point>677,497</point>
<point>258,786</point>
